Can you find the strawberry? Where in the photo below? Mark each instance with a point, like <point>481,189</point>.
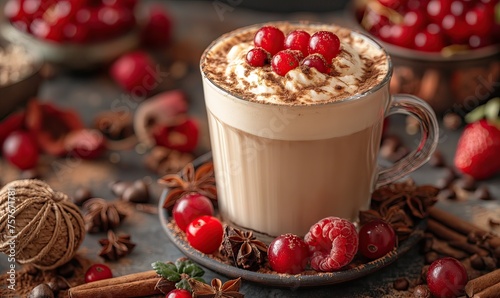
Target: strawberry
<point>478,148</point>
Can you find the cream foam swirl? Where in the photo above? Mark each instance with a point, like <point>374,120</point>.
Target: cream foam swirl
<point>359,65</point>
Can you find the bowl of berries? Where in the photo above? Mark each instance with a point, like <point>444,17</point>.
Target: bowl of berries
<point>74,34</point>
<point>444,51</point>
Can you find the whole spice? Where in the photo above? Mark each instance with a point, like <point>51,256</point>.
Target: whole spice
<point>243,249</point>
<point>101,215</point>
<point>216,289</point>
<point>115,246</point>
<point>201,181</point>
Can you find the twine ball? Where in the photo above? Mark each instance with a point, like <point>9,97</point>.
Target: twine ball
<point>45,226</point>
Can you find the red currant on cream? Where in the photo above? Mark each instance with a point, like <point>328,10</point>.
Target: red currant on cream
<point>447,278</point>
<point>298,40</point>
<point>284,61</point>
<point>318,62</point>
<point>270,39</point>
<point>326,44</point>
<point>189,207</point>
<point>376,239</point>
<point>205,234</point>
<point>288,254</point>
<point>257,57</point>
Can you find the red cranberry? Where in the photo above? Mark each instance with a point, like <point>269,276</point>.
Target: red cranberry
<point>318,62</point>
<point>376,239</point>
<point>298,40</point>
<point>284,61</point>
<point>179,293</point>
<point>189,207</point>
<point>133,70</point>
<point>437,9</point>
<point>288,254</point>
<point>456,28</point>
<point>402,35</point>
<point>326,44</point>
<point>394,4</point>
<point>43,30</point>
<point>21,150</point>
<point>270,39</point>
<point>257,57</point>
<point>447,278</point>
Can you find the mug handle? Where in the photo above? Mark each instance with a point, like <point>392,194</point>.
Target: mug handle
<point>429,128</point>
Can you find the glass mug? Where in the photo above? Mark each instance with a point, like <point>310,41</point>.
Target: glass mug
<point>281,168</point>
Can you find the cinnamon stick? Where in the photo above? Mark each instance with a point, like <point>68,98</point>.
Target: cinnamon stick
<point>451,235</point>
<point>462,226</point>
<point>491,292</point>
<point>132,285</point>
<point>483,282</point>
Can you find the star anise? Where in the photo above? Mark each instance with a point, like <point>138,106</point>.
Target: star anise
<point>189,180</point>
<point>216,289</point>
<point>115,246</point>
<point>243,249</point>
<point>101,215</point>
<point>401,205</point>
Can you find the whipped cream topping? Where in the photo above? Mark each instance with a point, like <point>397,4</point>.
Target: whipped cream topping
<point>359,66</point>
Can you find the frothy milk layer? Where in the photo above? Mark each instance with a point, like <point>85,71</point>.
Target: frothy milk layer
<point>359,66</point>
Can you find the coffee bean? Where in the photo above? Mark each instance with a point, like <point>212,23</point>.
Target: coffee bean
<point>58,284</point>
<point>482,193</point>
<point>401,284</point>
<point>452,121</point>
<point>423,272</point>
<point>422,291</point>
<point>136,193</point>
<point>489,263</point>
<point>447,194</point>
<point>41,291</point>
<point>437,159</point>
<point>66,270</point>
<point>430,257</point>
<point>477,262</point>
<point>466,182</point>
<point>81,195</point>
<point>119,187</point>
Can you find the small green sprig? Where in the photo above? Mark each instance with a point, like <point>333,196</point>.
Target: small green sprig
<point>179,272</point>
<point>489,110</point>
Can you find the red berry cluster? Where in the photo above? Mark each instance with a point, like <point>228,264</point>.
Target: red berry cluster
<point>75,21</point>
<point>431,25</point>
<point>297,48</point>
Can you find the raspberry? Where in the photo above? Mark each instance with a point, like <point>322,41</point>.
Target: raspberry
<point>284,61</point>
<point>288,254</point>
<point>318,62</point>
<point>270,39</point>
<point>298,40</point>
<point>325,43</point>
<point>333,242</point>
<point>257,57</point>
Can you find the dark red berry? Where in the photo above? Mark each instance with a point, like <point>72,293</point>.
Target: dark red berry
<point>447,278</point>
<point>257,57</point>
<point>430,40</point>
<point>284,61</point>
<point>270,39</point>
<point>288,254</point>
<point>376,239</point>
<point>394,4</point>
<point>298,40</point>
<point>157,31</point>
<point>318,62</point>
<point>456,28</point>
<point>21,150</point>
<point>189,207</point>
<point>326,44</point>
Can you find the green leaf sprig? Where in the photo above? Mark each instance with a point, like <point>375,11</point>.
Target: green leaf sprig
<point>179,272</point>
